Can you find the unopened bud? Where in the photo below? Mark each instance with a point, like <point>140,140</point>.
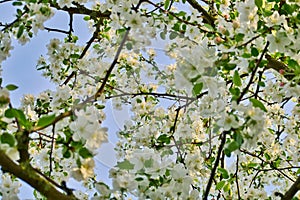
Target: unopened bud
<point>235,24</point>
<point>281,71</point>
<point>218,40</point>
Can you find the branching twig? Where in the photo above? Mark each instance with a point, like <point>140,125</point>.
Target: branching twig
<point>163,95</point>
<point>236,177</point>
<point>245,90</point>
<point>56,30</point>
<point>207,18</point>
<point>30,176</point>
<point>214,169</point>
<point>101,89</point>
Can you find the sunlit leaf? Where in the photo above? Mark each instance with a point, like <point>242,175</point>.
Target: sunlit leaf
<point>258,104</point>
<point>46,120</point>
<point>125,165</point>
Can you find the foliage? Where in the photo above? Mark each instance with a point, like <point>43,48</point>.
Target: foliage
<point>221,121</point>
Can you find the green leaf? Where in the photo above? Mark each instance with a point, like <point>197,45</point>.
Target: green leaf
<point>258,104</point>
<point>287,9</point>
<point>261,83</point>
<point>46,120</point>
<point>237,79</point>
<point>11,87</point>
<point>235,91</point>
<point>237,136</point>
<point>20,31</point>
<point>267,156</point>
<point>85,153</point>
<point>259,3</point>
<point>226,188</point>
<point>173,35</point>
<point>208,27</point>
<point>232,147</point>
<point>129,46</point>
<point>86,18</point>
<point>227,152</point>
<point>197,88</point>
<point>224,173</point>
<point>17,3</point>
<point>8,139</point>
<point>149,163</point>
<point>176,27</point>
<point>239,37</point>
<point>19,115</point>
<point>163,35</point>
<point>254,52</point>
<point>164,139</point>
<point>125,165</point>
<point>167,4</point>
<point>220,185</point>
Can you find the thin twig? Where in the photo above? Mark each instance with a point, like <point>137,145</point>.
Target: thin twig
<point>56,30</point>
<point>245,90</point>
<point>101,89</point>
<point>51,150</point>
<point>214,169</point>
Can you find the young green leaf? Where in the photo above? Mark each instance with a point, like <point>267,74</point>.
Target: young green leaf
<point>85,153</point>
<point>46,120</point>
<point>11,87</point>
<point>237,79</point>
<point>167,4</point>
<point>173,35</point>
<point>125,165</point>
<point>258,104</point>
<point>220,185</point>
<point>8,139</point>
<point>20,31</point>
<point>224,173</point>
<point>259,3</point>
<point>19,115</point>
<point>197,88</point>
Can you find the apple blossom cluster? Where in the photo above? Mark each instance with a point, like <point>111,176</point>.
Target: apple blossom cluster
<point>218,120</point>
<point>5,46</point>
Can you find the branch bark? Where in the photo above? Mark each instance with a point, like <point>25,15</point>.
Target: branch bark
<point>207,18</point>
<point>213,171</point>
<point>292,191</point>
<point>27,173</point>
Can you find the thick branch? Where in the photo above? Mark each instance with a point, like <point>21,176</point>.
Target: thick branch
<point>57,119</point>
<point>293,190</point>
<point>80,9</point>
<point>30,176</point>
<point>207,18</point>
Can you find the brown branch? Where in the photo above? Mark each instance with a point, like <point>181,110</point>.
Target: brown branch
<point>30,176</point>
<point>101,89</point>
<point>80,9</point>
<point>269,163</point>
<point>292,191</point>
<point>214,169</point>
<point>245,90</point>
<point>206,17</point>
<point>162,95</point>
<point>51,150</point>
<point>237,178</point>
<point>58,118</point>
<point>56,30</point>
<point>4,1</point>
